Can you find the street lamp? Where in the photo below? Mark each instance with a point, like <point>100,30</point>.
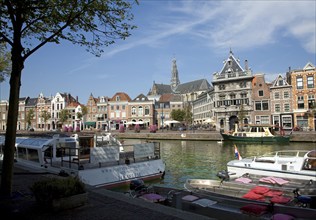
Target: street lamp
<point>162,116</point>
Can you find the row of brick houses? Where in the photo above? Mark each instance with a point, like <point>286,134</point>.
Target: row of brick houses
<point>236,94</point>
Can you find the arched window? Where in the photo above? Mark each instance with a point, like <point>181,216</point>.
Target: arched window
<point>140,110</point>
<point>133,110</point>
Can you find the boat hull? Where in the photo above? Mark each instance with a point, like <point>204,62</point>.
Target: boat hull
<point>261,139</point>
<point>239,171</point>
<point>229,205</point>
<point>115,176</point>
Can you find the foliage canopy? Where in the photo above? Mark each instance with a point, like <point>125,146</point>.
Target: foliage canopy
<point>28,25</point>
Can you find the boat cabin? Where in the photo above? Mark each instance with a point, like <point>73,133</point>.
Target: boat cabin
<point>254,131</point>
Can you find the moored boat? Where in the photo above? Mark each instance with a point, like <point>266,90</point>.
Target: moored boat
<point>256,134</point>
<point>285,192</point>
<point>290,164</point>
<point>97,161</point>
<point>217,205</point>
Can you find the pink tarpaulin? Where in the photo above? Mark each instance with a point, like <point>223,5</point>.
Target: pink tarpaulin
<point>152,197</point>
<point>243,180</point>
<point>273,180</point>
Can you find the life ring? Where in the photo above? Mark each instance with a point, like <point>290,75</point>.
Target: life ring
<point>266,133</point>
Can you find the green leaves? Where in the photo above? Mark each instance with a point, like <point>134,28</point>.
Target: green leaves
<point>90,23</point>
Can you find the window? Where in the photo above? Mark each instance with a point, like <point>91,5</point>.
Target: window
<point>281,82</point>
<point>310,81</point>
<point>117,98</point>
<point>277,108</point>
<point>146,110</point>
<point>221,87</point>
<point>300,102</point>
<point>287,122</point>
<point>286,107</point>
<point>243,95</point>
<point>299,83</point>
<point>117,107</point>
<point>123,107</point>
<point>276,95</point>
<point>311,101</point>
<point>243,85</point>
<point>265,105</point>
<point>260,92</point>
<point>258,106</point>
<point>261,119</point>
<point>261,105</point>
<point>112,107</point>
<point>140,110</point>
<point>265,119</point>
<point>286,94</point>
<point>133,110</point>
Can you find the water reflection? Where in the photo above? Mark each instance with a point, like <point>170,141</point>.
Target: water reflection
<point>203,159</point>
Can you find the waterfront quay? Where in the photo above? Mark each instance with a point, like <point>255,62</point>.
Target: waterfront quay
<point>296,136</point>
<point>196,135</point>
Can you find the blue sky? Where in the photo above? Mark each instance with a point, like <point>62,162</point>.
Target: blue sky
<point>271,35</point>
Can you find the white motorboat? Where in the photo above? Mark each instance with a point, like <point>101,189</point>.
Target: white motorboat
<point>217,205</point>
<point>289,164</point>
<point>256,134</point>
<point>101,164</point>
<point>241,186</point>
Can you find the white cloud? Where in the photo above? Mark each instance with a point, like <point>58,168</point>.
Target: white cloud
<point>223,24</point>
<point>241,24</point>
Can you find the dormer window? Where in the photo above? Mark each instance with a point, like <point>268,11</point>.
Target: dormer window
<point>280,82</point>
<point>118,98</point>
<point>229,62</point>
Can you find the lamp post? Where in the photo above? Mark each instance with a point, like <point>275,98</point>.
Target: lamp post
<point>162,116</point>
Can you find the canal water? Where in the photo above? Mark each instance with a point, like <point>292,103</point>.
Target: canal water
<point>203,159</point>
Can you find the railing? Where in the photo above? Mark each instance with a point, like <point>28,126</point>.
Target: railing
<point>80,158</point>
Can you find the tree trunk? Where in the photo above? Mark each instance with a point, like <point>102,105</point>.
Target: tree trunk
<point>9,147</point>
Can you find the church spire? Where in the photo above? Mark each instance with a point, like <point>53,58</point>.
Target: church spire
<point>174,75</point>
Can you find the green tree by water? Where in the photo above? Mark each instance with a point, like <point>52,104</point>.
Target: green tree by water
<point>29,117</point>
<point>177,114</point>
<point>45,116</point>
<point>63,116</point>
<point>5,62</point>
<point>26,26</point>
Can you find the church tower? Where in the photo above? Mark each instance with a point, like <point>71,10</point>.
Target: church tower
<point>174,75</point>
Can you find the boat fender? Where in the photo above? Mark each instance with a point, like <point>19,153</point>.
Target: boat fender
<point>266,133</point>
<point>163,174</point>
<point>223,175</point>
<point>63,173</point>
<point>137,185</point>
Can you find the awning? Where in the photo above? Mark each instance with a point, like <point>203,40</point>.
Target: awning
<point>171,122</point>
<point>209,120</point>
<point>90,123</point>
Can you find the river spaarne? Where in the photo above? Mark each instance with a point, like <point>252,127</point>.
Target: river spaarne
<point>203,159</point>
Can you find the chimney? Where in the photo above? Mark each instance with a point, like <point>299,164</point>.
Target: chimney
<point>246,65</point>
<point>76,98</point>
